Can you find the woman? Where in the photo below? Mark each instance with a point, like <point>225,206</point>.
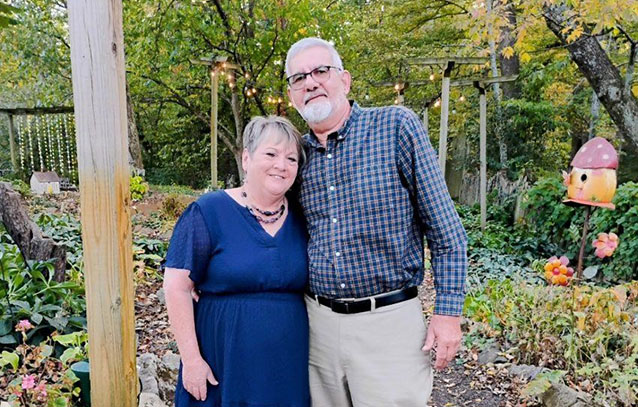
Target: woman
<point>243,250</point>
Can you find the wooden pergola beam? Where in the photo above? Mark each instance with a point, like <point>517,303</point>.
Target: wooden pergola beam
<point>99,94</point>
<point>481,85</point>
<point>213,63</point>
<point>445,60</point>
<point>37,110</point>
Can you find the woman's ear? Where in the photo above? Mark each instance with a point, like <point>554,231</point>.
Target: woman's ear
<point>245,157</point>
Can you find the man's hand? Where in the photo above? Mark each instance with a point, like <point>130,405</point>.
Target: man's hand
<point>444,332</point>
<point>195,374</point>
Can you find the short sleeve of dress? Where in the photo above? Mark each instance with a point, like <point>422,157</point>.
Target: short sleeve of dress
<point>190,246</point>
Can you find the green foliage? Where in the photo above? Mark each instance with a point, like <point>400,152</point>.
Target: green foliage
<point>19,186</point>
<point>624,222</point>
<point>139,188</point>
<point>558,224</point>
<point>590,332</point>
<point>548,218</point>
<point>76,344</point>
<point>67,231</point>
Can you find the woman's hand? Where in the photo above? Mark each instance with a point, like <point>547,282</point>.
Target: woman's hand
<point>195,374</point>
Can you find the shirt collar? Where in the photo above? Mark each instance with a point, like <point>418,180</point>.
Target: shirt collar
<point>340,134</point>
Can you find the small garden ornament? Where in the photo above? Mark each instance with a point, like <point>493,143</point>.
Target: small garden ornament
<point>591,183</point>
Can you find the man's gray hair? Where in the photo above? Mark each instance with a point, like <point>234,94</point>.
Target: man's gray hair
<point>279,127</point>
<point>310,42</point>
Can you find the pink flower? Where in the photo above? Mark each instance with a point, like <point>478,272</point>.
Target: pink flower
<point>605,244</point>
<point>42,391</point>
<point>23,325</point>
<point>28,381</point>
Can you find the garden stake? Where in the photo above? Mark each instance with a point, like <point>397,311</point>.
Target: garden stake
<point>583,242</point>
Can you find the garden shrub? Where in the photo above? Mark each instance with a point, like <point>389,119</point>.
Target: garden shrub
<point>138,187</point>
<point>557,224</point>
<point>589,332</point>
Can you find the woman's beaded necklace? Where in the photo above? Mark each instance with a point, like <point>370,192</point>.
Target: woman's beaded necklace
<point>272,216</point>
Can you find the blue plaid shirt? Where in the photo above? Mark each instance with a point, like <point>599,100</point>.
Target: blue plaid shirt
<point>369,197</point>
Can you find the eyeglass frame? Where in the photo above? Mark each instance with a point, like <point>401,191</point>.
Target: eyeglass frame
<point>305,75</point>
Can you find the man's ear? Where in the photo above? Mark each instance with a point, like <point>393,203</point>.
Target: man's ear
<point>346,79</point>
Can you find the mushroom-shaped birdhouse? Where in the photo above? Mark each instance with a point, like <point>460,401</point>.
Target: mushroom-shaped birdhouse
<point>592,180</point>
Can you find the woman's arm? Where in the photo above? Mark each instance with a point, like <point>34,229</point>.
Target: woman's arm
<point>179,302</point>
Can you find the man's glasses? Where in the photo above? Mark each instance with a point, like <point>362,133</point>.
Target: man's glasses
<point>320,74</point>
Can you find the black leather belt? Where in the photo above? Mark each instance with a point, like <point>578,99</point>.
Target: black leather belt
<point>367,304</point>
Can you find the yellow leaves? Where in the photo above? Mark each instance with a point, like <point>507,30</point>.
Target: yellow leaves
<point>507,52</point>
<point>558,93</point>
<point>574,34</point>
<point>525,57</point>
<point>634,90</point>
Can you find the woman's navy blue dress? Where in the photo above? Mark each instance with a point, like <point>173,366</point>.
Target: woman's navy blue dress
<point>250,321</point>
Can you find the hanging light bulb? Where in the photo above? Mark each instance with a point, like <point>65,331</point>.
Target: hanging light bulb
<point>247,75</point>
<point>229,76</point>
<point>253,90</point>
<point>396,87</point>
<point>280,100</point>
<point>437,103</point>
<point>431,76</point>
<point>462,98</point>
<point>289,104</point>
<point>396,101</point>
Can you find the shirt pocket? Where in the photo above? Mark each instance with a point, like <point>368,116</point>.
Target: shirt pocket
<point>373,189</point>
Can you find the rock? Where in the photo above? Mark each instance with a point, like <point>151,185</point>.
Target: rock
<point>150,400</point>
<point>147,367</point>
<point>167,372</point>
<point>161,297</point>
<point>491,355</point>
<point>560,395</point>
<point>527,372</point>
<point>4,404</point>
<point>171,361</point>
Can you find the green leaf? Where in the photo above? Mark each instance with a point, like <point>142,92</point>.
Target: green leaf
<point>37,318</point>
<point>590,272</point>
<point>5,326</point>
<point>60,402</point>
<point>10,358</point>
<point>8,340</point>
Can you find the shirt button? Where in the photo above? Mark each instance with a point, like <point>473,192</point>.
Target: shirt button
<point>329,156</point>
<point>332,187</point>
<point>337,254</point>
<point>343,285</point>
<point>334,220</point>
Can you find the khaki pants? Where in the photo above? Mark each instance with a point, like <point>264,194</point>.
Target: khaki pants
<point>371,359</point>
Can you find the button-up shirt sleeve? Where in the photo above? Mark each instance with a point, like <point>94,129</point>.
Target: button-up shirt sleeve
<point>446,238</point>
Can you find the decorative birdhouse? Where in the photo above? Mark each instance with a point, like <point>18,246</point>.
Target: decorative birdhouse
<point>592,180</point>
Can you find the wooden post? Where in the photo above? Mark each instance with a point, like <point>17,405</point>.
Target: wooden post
<point>99,93</point>
<point>445,106</point>
<point>214,86</point>
<point>483,152</point>
<point>12,144</point>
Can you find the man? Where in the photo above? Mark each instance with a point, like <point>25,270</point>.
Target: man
<point>371,190</point>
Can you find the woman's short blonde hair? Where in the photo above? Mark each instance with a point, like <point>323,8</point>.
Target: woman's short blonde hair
<point>279,127</point>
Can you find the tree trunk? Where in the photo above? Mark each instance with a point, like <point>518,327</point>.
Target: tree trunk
<point>27,235</point>
<point>134,149</point>
<point>600,72</point>
<point>512,65</point>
